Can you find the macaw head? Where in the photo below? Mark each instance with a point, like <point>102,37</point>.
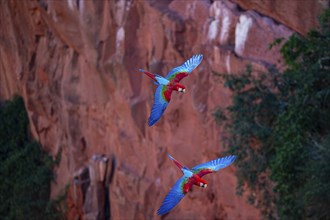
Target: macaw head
<point>199,181</point>
<point>202,183</point>
<point>180,88</point>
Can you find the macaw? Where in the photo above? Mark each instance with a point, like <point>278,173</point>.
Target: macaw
<point>191,177</point>
<point>168,84</point>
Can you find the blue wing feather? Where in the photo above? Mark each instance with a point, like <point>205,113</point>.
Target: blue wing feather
<point>186,67</point>
<point>173,197</point>
<point>161,80</point>
<point>215,165</point>
<point>158,107</point>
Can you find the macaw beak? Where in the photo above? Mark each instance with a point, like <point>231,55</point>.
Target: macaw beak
<point>203,185</point>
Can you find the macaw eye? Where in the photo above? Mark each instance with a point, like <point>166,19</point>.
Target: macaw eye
<point>180,89</point>
<point>201,184</point>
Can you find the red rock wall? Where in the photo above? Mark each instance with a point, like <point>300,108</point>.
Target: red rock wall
<point>75,63</point>
<point>299,15</point>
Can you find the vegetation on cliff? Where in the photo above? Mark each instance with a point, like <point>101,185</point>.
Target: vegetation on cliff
<point>25,170</point>
<point>279,126</point>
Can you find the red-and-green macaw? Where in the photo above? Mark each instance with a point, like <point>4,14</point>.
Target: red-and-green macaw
<point>191,177</point>
<point>168,84</point>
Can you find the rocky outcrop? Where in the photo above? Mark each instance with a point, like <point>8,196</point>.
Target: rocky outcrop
<point>75,63</point>
<point>300,16</point>
<point>88,195</point>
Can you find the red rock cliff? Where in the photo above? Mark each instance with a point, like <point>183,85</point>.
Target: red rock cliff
<point>75,63</point>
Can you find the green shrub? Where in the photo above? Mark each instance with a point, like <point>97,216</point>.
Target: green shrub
<point>25,170</point>
<point>279,126</point>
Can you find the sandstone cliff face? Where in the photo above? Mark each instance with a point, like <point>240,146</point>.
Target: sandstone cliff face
<point>300,16</point>
<point>75,63</point>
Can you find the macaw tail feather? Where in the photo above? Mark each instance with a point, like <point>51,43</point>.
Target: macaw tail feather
<point>170,157</point>
<point>176,162</point>
<point>151,75</point>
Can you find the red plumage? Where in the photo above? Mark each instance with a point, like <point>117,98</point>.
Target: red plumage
<point>179,76</point>
<point>151,75</point>
<point>204,172</point>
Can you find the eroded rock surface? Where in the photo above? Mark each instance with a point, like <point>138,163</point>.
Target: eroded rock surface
<point>75,63</point>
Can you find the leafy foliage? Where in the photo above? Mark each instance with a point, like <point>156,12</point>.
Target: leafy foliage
<point>25,170</point>
<point>279,126</point>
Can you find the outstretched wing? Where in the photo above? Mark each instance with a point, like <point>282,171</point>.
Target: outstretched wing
<point>213,165</point>
<point>161,99</point>
<point>173,197</point>
<point>178,73</point>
